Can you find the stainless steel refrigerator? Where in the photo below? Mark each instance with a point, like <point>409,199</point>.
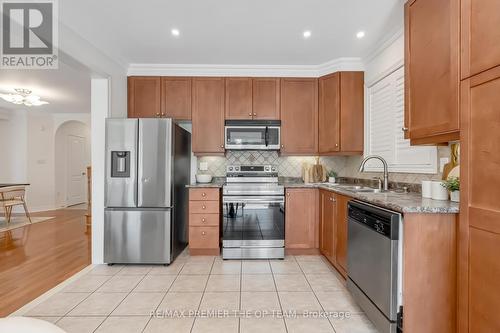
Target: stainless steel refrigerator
<point>148,163</point>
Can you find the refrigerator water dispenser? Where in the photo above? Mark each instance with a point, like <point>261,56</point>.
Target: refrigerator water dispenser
<point>120,164</point>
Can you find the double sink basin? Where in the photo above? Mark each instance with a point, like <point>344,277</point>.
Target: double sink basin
<point>354,188</point>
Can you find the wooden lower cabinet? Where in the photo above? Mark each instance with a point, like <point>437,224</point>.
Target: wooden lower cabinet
<point>333,229</point>
<point>479,231</point>
<point>204,221</point>
<point>430,274</point>
<point>301,219</point>
<point>327,224</point>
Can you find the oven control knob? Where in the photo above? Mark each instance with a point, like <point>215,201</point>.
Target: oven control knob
<point>267,168</point>
<point>230,168</point>
<point>273,168</point>
<point>237,168</point>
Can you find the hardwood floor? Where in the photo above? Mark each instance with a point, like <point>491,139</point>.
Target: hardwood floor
<point>37,257</point>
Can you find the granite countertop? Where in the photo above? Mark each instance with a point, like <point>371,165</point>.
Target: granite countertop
<point>399,202</point>
<point>217,182</point>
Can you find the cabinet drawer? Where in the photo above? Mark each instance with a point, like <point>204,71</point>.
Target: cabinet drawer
<point>203,220</point>
<point>203,237</point>
<point>204,207</point>
<point>204,194</point>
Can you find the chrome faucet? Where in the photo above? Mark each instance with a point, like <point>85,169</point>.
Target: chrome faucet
<point>386,171</point>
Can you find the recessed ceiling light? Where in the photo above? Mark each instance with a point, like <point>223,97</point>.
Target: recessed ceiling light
<point>360,34</point>
<point>175,32</point>
<point>307,34</point>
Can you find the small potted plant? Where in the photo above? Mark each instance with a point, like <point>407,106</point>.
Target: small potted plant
<point>452,184</point>
<point>331,176</point>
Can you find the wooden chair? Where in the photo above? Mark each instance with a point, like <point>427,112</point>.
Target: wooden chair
<point>13,196</point>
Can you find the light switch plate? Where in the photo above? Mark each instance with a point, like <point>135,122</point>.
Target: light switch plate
<point>203,166</point>
<point>442,162</point>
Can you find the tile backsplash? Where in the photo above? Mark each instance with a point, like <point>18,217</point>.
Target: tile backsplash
<point>291,166</point>
<point>288,166</point>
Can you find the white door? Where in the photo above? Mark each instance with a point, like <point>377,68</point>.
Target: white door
<point>76,165</point>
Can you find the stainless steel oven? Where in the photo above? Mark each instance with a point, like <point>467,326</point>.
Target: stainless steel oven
<point>252,135</point>
<point>254,214</point>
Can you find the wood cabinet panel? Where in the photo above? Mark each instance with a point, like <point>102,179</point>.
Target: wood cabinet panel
<point>430,259</point>
<point>329,114</point>
<point>432,70</point>
<point>266,98</point>
<point>204,220</point>
<point>239,98</point>
<point>208,116</point>
<point>204,237</point>
<point>144,96</point>
<point>204,194</point>
<point>327,217</point>
<point>479,231</point>
<point>480,36</point>
<point>341,232</point>
<point>301,218</point>
<point>299,116</point>
<point>176,98</point>
<point>352,111</point>
<point>204,207</point>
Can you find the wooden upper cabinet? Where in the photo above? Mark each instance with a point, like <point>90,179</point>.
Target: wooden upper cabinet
<point>432,51</point>
<point>329,114</point>
<point>352,103</point>
<point>176,97</point>
<point>144,96</point>
<point>266,98</point>
<point>480,36</point>
<point>341,113</point>
<point>327,214</point>
<point>208,115</point>
<point>299,116</point>
<point>301,218</point>
<point>239,98</point>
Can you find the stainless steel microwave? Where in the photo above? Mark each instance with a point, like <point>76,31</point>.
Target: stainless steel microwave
<point>252,134</point>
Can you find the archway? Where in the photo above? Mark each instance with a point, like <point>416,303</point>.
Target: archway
<point>72,156</point>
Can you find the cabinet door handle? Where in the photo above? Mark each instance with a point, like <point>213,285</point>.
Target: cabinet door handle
<point>222,146</point>
<point>404,129</point>
<point>282,146</point>
<point>255,114</point>
<point>203,207</point>
<point>203,220</point>
<point>250,114</point>
<point>203,233</point>
<point>288,194</point>
<point>336,145</point>
<point>158,115</point>
<point>203,194</point>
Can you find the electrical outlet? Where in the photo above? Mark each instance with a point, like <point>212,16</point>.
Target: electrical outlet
<point>442,162</point>
<point>203,166</point>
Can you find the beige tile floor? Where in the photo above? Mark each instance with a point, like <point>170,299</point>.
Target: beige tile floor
<point>291,295</point>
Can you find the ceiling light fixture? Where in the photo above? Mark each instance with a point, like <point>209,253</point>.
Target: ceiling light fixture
<point>23,96</point>
<point>175,32</point>
<point>360,34</point>
<point>307,34</point>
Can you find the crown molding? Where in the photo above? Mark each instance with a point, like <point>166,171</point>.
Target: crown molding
<point>340,64</point>
<point>382,45</point>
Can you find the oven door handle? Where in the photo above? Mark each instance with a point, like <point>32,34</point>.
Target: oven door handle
<point>258,200</point>
<point>266,136</point>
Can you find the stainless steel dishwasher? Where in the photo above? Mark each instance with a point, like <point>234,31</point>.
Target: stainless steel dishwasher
<point>374,263</point>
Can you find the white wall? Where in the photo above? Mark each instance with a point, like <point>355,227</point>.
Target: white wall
<point>30,155</point>
<point>13,132</point>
